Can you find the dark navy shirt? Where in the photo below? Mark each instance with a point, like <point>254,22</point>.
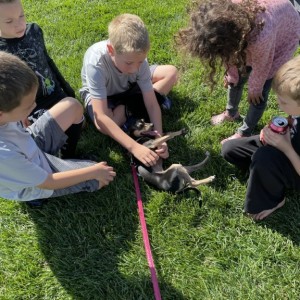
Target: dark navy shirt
<point>31,49</point>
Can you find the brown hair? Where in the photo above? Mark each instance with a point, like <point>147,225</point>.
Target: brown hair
<point>219,32</point>
<point>127,33</point>
<point>287,80</point>
<point>16,81</point>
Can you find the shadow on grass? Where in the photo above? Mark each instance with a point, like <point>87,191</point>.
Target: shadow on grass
<point>286,220</point>
<point>89,240</point>
<point>85,240</point>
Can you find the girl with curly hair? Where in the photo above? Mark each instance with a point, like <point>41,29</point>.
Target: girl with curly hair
<point>251,39</point>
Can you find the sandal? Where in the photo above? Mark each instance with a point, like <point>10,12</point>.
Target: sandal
<point>224,117</point>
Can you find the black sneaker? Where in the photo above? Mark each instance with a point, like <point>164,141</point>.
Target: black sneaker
<point>38,203</point>
<point>167,103</point>
<point>129,122</point>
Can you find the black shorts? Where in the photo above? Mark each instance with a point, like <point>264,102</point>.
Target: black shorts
<point>133,101</point>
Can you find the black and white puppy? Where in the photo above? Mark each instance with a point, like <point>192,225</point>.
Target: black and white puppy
<point>174,179</point>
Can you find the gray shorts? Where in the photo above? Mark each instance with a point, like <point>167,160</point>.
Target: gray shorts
<point>50,138</point>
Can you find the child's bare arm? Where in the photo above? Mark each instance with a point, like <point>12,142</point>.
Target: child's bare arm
<point>154,112</point>
<point>100,171</point>
<point>294,159</point>
<point>104,121</point>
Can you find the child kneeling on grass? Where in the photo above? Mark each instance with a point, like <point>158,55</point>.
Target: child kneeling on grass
<point>28,168</point>
<point>116,75</point>
<point>251,39</point>
<point>274,159</point>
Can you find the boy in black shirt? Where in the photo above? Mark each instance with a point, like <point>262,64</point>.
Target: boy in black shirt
<point>27,42</point>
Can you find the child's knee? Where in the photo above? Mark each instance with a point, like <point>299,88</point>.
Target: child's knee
<point>75,105</point>
<point>172,74</point>
<point>226,151</point>
<point>166,73</point>
<point>266,157</point>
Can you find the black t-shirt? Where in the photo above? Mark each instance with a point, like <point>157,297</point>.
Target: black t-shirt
<point>295,132</point>
<point>31,49</point>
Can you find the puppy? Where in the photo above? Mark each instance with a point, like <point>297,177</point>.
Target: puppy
<point>174,179</point>
<point>140,128</point>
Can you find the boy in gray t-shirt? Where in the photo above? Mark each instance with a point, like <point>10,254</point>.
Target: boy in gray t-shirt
<point>28,168</point>
<point>119,67</point>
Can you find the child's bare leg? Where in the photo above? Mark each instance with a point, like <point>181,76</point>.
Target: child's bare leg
<point>265,213</point>
<point>66,112</point>
<point>119,115</point>
<point>164,78</point>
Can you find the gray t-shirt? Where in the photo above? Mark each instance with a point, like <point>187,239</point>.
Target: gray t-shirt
<point>100,77</point>
<point>23,166</point>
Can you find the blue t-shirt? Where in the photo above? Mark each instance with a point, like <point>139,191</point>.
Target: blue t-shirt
<point>23,166</point>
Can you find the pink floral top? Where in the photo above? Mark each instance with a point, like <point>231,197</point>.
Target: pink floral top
<point>273,47</point>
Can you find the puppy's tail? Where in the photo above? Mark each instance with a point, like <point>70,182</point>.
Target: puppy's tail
<point>198,166</point>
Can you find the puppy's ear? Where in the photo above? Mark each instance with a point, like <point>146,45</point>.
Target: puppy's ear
<point>139,124</point>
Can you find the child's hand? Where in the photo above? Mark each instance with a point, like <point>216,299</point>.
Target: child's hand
<point>280,141</point>
<point>145,155</point>
<point>255,98</point>
<point>163,151</point>
<point>105,174</point>
<point>261,137</point>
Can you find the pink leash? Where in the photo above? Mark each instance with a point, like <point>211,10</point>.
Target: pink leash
<point>145,235</point>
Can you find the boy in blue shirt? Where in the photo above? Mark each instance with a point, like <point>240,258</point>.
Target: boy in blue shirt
<point>29,169</point>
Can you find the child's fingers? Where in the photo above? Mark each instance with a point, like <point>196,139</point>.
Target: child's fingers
<point>146,156</point>
<point>150,160</point>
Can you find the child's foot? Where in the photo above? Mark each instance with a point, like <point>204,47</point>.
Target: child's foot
<point>233,137</point>
<point>167,103</point>
<point>224,117</point>
<point>265,213</point>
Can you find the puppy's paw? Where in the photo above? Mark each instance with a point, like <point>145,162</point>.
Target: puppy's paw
<point>207,153</point>
<point>212,178</point>
<point>184,131</point>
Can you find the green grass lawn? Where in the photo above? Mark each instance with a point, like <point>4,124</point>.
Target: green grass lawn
<point>89,246</point>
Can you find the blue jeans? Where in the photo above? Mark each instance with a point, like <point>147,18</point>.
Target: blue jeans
<point>255,112</point>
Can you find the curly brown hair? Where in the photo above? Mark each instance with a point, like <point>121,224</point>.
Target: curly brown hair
<point>219,32</point>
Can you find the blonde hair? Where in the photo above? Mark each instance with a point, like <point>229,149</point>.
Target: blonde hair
<point>127,33</point>
<point>287,79</point>
<point>17,80</point>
